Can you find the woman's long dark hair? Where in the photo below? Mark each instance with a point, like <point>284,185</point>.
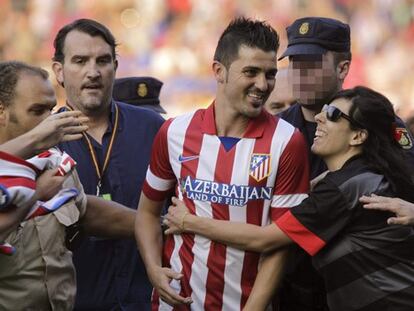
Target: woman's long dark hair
<point>381,150</point>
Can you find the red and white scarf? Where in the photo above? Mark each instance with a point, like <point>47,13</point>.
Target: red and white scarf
<point>18,184</point>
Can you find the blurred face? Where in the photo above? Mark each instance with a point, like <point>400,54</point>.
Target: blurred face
<point>314,78</point>
<point>333,139</point>
<point>88,72</point>
<point>247,83</point>
<point>33,102</point>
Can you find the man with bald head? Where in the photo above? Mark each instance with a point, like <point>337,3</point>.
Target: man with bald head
<point>281,97</point>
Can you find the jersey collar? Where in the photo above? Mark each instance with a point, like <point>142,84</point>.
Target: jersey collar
<point>255,128</point>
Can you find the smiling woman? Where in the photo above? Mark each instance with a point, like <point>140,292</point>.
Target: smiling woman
<point>355,137</point>
<point>338,136</point>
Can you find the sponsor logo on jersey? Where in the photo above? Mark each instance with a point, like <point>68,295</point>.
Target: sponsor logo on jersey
<point>183,159</point>
<point>215,192</point>
<point>260,166</point>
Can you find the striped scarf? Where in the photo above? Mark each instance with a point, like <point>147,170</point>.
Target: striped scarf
<point>18,184</point>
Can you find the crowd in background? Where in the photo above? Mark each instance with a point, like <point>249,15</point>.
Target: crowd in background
<point>174,40</point>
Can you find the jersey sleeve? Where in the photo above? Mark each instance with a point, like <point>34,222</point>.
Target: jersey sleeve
<point>160,178</point>
<point>318,219</point>
<point>292,179</point>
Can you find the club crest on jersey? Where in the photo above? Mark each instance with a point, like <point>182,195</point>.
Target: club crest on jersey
<point>403,138</point>
<point>260,166</point>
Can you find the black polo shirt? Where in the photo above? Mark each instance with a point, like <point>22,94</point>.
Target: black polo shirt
<point>110,273</point>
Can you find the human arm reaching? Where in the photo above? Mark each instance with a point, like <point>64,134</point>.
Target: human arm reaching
<point>403,210</point>
<point>238,235</point>
<point>56,128</point>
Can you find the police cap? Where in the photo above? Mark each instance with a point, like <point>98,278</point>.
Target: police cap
<point>139,91</point>
<point>317,35</point>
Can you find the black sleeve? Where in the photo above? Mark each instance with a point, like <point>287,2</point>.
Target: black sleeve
<point>325,212</point>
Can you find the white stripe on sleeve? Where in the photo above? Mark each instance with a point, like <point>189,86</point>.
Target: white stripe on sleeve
<point>157,183</point>
<point>287,200</point>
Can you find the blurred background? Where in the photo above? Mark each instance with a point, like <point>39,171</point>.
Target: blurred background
<point>174,40</point>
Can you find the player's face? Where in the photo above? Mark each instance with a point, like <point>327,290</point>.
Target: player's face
<point>333,138</point>
<point>88,72</point>
<point>314,78</point>
<point>249,81</point>
<point>33,102</point>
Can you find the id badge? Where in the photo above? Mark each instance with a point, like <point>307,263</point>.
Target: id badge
<point>106,196</point>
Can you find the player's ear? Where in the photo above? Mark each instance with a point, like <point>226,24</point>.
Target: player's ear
<point>219,71</point>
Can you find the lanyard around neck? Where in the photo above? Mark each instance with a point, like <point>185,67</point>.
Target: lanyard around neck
<point>100,171</point>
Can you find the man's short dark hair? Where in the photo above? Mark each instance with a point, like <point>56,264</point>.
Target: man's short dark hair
<point>88,26</point>
<point>341,56</point>
<point>247,32</point>
<point>9,76</point>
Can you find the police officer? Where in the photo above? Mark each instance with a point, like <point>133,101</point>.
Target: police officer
<point>139,91</point>
<point>319,51</point>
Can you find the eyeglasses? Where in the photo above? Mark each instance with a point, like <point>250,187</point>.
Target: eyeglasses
<point>334,114</point>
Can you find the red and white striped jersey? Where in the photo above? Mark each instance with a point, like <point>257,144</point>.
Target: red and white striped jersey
<point>254,182</point>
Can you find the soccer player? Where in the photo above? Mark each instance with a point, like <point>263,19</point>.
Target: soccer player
<point>365,264</point>
<point>232,161</point>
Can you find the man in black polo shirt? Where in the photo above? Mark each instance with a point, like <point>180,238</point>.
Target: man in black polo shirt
<point>319,51</point>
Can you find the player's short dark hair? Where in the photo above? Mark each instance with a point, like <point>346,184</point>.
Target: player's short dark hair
<point>247,32</point>
<point>88,26</point>
<point>9,76</point>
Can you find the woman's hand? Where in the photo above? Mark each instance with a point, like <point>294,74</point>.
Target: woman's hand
<point>175,219</point>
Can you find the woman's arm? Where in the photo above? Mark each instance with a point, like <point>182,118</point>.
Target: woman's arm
<point>239,235</point>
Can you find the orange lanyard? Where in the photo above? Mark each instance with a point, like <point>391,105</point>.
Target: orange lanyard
<point>100,172</point>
